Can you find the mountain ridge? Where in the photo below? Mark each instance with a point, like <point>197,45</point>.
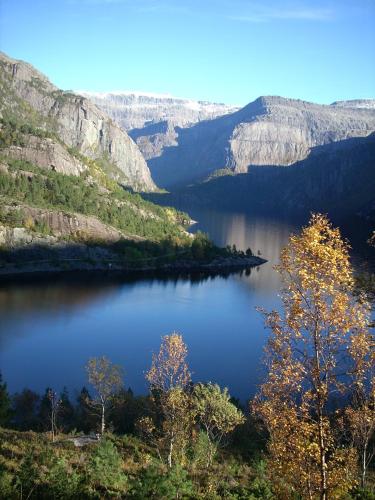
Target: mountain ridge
<point>269,131</point>
<point>135,109</point>
<point>138,113</point>
<point>77,121</point>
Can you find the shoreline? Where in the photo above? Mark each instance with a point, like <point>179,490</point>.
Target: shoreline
<point>19,271</point>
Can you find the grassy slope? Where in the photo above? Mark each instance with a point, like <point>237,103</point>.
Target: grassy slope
<point>59,470</point>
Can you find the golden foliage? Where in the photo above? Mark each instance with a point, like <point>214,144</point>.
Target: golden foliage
<point>169,368</point>
<point>316,346</point>
<point>169,378</point>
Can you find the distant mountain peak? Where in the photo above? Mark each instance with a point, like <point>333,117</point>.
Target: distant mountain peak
<point>356,103</point>
<point>119,93</point>
<point>136,109</point>
<point>137,94</point>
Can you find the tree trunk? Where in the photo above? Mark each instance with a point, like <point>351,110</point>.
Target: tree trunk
<point>323,465</point>
<point>53,425</point>
<point>103,420</point>
<point>170,452</point>
<point>210,453</point>
<point>320,403</point>
<point>364,459</point>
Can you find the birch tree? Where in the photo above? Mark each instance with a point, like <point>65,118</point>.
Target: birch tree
<point>169,378</point>
<point>216,414</point>
<point>55,405</point>
<point>311,359</point>
<point>106,378</point>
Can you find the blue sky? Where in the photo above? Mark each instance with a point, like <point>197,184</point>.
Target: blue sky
<point>221,50</point>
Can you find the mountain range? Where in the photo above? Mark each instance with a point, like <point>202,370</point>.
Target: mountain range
<point>135,110</point>
<point>316,140</point>
<point>275,153</point>
<point>336,178</point>
<point>153,120</point>
<point>269,131</point>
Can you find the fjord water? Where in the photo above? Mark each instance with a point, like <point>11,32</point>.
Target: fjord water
<point>48,330</point>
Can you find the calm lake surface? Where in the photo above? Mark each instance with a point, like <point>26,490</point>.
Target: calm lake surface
<point>48,330</point>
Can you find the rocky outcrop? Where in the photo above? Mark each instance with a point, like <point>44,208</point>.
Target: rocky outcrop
<point>59,225</point>
<point>77,122</point>
<point>269,131</point>
<point>19,237</point>
<point>47,154</point>
<point>153,139</point>
<point>356,103</point>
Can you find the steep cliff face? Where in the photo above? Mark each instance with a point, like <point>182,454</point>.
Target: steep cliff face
<point>268,131</point>
<point>76,121</point>
<point>135,110</point>
<point>153,120</point>
<point>153,139</point>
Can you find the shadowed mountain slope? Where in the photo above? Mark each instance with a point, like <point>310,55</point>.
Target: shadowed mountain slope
<point>337,178</point>
<point>269,131</point>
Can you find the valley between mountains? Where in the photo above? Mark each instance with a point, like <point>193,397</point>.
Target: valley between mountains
<point>88,180</point>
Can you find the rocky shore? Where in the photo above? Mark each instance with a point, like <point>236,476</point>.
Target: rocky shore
<point>116,266</point>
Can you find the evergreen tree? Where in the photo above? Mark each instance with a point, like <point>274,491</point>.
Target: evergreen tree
<point>4,403</point>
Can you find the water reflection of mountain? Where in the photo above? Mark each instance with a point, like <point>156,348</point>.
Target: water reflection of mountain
<point>50,297</point>
<point>26,303</point>
<point>260,233</point>
<point>269,235</point>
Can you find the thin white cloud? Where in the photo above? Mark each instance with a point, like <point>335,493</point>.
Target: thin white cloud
<point>263,14</point>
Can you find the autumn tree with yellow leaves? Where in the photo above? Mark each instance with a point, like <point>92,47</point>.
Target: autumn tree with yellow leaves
<point>319,348</point>
<point>359,417</point>
<point>106,378</point>
<point>169,378</point>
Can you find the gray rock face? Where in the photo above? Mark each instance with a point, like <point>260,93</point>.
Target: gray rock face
<point>337,178</point>
<point>48,154</point>
<point>356,103</point>
<point>153,121</point>
<point>269,131</point>
<point>135,110</point>
<point>80,124</point>
<point>153,139</point>
<point>61,224</point>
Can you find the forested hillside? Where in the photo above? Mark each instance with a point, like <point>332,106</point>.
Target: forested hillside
<point>67,182</point>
